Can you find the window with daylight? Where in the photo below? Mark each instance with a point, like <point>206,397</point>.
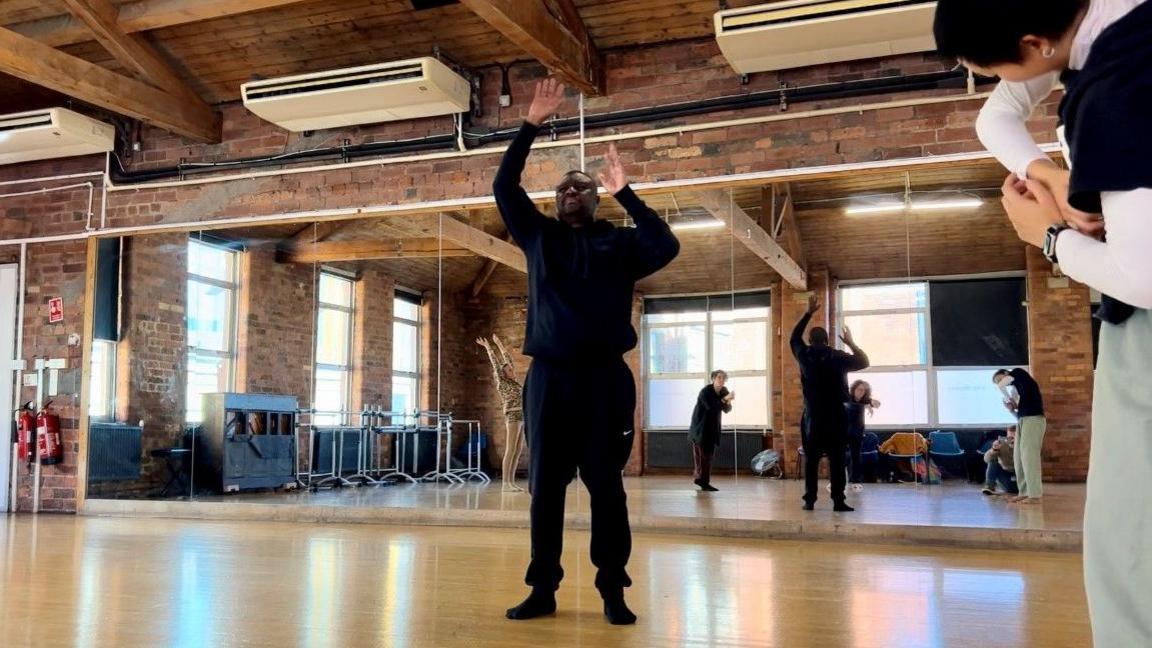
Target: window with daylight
<point>102,385</point>
<point>211,314</point>
<point>333,378</point>
<point>685,339</point>
<point>934,346</point>
<point>406,352</point>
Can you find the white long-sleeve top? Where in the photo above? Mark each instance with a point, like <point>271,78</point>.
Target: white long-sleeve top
<point>1122,267</point>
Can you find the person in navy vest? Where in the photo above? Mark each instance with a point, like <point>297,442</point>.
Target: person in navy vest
<point>579,395</point>
<point>1095,220</point>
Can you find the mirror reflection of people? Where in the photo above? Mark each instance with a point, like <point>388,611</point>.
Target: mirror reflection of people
<point>579,395</point>
<point>511,397</point>
<point>1001,465</point>
<point>1022,397</point>
<point>713,401</point>
<point>1101,51</point>
<point>824,381</point>
<point>860,402</point>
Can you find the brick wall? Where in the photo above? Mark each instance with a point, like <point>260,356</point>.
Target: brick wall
<point>152,353</point>
<point>1060,350</point>
<point>54,270</point>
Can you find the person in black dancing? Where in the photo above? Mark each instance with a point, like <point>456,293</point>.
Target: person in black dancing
<point>860,402</point>
<point>712,402</point>
<point>824,381</point>
<point>579,395</point>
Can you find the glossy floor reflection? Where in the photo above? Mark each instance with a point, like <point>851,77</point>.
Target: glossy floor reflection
<point>745,497</point>
<point>88,582</point>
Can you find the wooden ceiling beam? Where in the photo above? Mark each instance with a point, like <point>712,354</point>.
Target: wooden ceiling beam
<point>38,63</point>
<point>396,248</point>
<point>552,33</point>
<point>470,238</point>
<point>130,50</point>
<point>777,201</point>
<point>315,232</point>
<point>142,15</point>
<point>485,273</point>
<point>754,237</point>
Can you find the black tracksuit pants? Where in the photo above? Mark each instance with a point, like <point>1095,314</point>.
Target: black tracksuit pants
<point>824,434</point>
<point>579,416</point>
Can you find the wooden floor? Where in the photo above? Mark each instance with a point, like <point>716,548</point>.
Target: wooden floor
<point>745,498</point>
<point>954,514</point>
<point>124,583</point>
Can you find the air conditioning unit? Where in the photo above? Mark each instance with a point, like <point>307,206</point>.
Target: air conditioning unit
<point>52,133</point>
<point>411,89</point>
<point>799,33</point>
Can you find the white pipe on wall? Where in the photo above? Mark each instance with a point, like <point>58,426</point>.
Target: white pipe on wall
<point>17,375</point>
<point>70,176</point>
<point>487,201</point>
<point>499,150</point>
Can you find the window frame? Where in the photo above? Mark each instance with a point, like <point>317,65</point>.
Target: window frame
<point>108,380</point>
<point>709,322</point>
<point>233,287</point>
<point>345,369</point>
<point>930,369</point>
<point>417,324</point>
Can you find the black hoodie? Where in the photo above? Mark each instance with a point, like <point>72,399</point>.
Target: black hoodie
<point>580,279</point>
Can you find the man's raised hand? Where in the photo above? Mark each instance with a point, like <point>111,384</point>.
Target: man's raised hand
<point>549,97</point>
<point>612,178</point>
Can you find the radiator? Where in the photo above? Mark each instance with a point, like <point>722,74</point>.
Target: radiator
<point>672,449</point>
<point>114,452</point>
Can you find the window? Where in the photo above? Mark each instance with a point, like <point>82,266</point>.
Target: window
<point>211,316</point>
<point>333,349</point>
<point>405,352</point>
<point>685,339</point>
<point>934,346</point>
<point>102,387</point>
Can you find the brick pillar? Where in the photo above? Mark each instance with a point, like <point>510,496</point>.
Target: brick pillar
<point>154,350</point>
<point>788,400</point>
<point>1060,352</point>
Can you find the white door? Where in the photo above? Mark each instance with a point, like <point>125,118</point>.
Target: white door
<point>8,288</point>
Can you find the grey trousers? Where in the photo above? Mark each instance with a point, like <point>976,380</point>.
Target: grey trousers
<point>1118,514</point>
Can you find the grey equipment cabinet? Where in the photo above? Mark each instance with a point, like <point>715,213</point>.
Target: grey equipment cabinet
<point>247,441</point>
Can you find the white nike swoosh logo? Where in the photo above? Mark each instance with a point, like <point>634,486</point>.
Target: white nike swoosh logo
<point>628,432</point>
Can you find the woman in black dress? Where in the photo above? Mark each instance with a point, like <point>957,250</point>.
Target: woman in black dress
<point>714,400</point>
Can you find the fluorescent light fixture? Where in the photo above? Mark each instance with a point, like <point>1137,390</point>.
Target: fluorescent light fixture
<point>961,203</point>
<point>874,209</point>
<point>935,205</point>
<point>699,225</point>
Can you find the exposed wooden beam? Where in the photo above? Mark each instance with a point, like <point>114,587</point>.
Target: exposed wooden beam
<point>37,63</point>
<point>485,273</point>
<point>468,237</point>
<point>328,251</point>
<point>142,15</point>
<point>130,49</point>
<point>552,33</point>
<point>778,203</point>
<point>315,232</point>
<point>748,232</point>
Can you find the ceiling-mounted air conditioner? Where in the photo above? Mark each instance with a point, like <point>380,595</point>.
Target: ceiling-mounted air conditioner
<point>799,33</point>
<point>52,133</point>
<point>368,94</point>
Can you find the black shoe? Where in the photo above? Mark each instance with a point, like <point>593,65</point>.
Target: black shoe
<point>616,610</point>
<point>539,603</point>
<point>841,507</point>
<point>988,491</point>
<point>698,482</point>
<point>708,488</point>
<point>809,506</point>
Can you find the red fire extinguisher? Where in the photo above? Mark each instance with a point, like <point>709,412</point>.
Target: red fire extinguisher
<point>25,428</point>
<point>48,437</point>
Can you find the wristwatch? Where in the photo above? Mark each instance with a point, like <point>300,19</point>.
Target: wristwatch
<point>1050,241</point>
